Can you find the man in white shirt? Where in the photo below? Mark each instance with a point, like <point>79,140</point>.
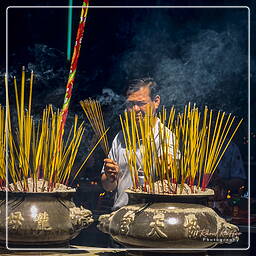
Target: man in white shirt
<point>141,94</point>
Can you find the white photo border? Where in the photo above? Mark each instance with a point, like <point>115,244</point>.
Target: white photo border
<point>130,249</point>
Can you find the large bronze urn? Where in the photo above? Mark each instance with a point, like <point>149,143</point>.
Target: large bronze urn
<point>41,219</point>
<point>167,221</point>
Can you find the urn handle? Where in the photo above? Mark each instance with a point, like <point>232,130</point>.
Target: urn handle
<point>103,224</point>
<point>80,217</point>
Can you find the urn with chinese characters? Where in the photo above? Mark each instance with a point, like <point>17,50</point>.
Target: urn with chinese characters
<point>41,219</point>
<point>164,221</point>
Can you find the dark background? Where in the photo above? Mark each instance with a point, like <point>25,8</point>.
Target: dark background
<point>197,55</point>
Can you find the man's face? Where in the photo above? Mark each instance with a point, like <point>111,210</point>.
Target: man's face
<point>140,101</point>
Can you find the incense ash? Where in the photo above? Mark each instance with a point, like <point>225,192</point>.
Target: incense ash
<point>173,189</point>
<point>41,186</point>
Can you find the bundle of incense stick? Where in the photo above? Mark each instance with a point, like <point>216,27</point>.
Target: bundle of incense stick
<point>2,147</point>
<point>140,144</point>
<point>34,149</point>
<point>189,150</point>
<point>217,139</point>
<point>93,112</point>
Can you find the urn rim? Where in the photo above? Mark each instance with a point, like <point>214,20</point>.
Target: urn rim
<point>146,194</point>
<point>52,193</point>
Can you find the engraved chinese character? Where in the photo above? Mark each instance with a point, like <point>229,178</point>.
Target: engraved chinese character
<point>42,220</point>
<point>190,224</point>
<point>127,219</point>
<point>157,225</point>
<point>15,220</point>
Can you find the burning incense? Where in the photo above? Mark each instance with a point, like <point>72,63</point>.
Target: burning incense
<point>93,112</point>
<point>35,150</point>
<point>2,148</point>
<point>189,151</point>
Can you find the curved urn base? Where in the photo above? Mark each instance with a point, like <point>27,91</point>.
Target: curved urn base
<point>41,219</point>
<point>168,225</point>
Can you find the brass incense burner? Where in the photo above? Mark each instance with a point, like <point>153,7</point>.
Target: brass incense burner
<point>41,219</point>
<point>161,221</point>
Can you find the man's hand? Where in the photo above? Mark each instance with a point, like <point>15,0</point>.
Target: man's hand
<point>111,169</point>
<point>109,177</point>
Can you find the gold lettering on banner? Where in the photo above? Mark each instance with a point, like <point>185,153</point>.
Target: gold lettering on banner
<point>15,220</point>
<point>42,220</point>
<point>157,226</point>
<point>127,219</point>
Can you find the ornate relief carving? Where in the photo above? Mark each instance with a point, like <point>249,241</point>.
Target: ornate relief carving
<point>80,216</point>
<point>226,230</point>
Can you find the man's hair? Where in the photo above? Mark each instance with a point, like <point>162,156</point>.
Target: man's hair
<point>136,84</point>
